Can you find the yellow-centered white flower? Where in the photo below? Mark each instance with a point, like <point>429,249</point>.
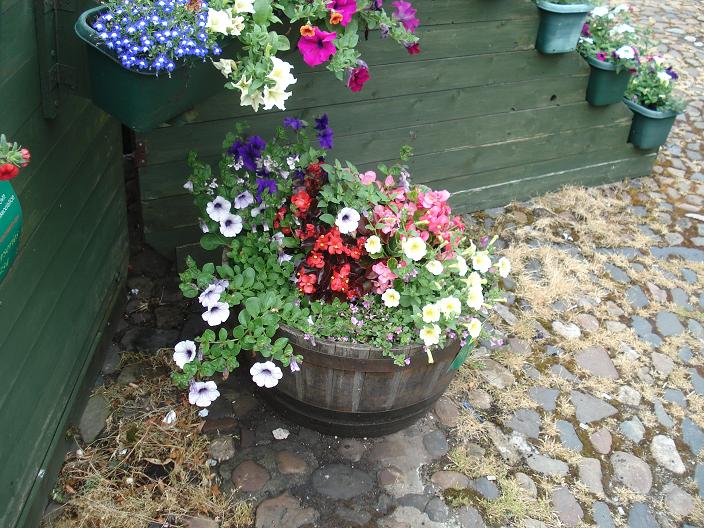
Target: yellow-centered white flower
<point>481,262</point>
<point>222,21</point>
<point>431,313</point>
<point>474,327</point>
<point>435,267</point>
<point>461,266</point>
<point>225,66</point>
<point>450,306</point>
<point>430,335</point>
<point>504,267</point>
<point>275,96</point>
<point>246,99</point>
<point>474,280</point>
<point>475,298</point>
<point>243,6</point>
<point>281,73</point>
<point>373,245</point>
<point>391,298</point>
<point>414,248</point>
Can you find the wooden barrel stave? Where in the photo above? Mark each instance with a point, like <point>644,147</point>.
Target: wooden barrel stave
<point>351,389</point>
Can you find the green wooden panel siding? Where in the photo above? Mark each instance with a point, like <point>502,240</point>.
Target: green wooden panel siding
<point>489,117</point>
<point>55,300</point>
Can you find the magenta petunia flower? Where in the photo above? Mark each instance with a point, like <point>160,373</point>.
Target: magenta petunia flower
<point>347,8</point>
<point>317,48</point>
<point>405,14</point>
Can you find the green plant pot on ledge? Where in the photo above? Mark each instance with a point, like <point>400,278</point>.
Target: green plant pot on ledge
<point>649,128</point>
<point>560,26</point>
<point>606,84</point>
<point>142,100</point>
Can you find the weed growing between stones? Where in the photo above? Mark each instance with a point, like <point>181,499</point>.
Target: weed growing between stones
<point>143,469</point>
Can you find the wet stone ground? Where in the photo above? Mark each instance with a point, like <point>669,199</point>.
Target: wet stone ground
<point>589,412</point>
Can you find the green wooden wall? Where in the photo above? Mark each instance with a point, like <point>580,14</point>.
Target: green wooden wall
<point>490,118</point>
<point>56,297</point>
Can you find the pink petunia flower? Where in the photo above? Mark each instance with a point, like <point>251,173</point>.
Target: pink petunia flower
<point>405,14</point>
<point>317,48</point>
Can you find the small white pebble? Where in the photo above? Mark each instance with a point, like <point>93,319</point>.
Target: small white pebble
<point>584,426</point>
<point>280,434</point>
<point>129,480</point>
<point>203,413</point>
<point>170,417</point>
<point>211,462</point>
<point>605,396</point>
<point>620,511</point>
<point>491,477</point>
<point>79,452</point>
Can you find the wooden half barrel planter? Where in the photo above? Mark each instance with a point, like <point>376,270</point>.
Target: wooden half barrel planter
<point>353,390</point>
<point>143,100</point>
<point>606,83</point>
<point>649,128</point>
<point>560,26</point>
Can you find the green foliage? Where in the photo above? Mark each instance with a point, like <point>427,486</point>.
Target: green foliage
<point>652,87</point>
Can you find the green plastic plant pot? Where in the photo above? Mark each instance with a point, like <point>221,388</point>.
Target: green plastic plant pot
<point>143,100</point>
<point>560,26</point>
<point>606,84</point>
<point>10,226</point>
<point>649,128</point>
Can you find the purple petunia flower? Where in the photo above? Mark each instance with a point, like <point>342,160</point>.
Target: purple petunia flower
<point>265,184</point>
<point>405,14</point>
<point>585,30</point>
<point>672,73</point>
<point>325,138</point>
<point>293,123</point>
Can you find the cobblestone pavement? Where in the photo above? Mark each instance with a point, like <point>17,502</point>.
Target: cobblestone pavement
<point>590,413</point>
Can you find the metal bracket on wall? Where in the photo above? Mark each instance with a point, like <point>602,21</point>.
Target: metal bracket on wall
<point>52,74</point>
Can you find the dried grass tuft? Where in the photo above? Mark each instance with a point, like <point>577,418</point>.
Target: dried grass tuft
<point>142,470</point>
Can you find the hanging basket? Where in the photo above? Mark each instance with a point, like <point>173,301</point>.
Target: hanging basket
<point>560,26</point>
<point>649,128</point>
<point>143,100</point>
<point>10,226</point>
<point>606,84</point>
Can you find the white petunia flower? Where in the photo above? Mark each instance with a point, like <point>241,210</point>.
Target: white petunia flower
<point>243,199</point>
<point>243,6</point>
<point>184,352</point>
<point>219,21</point>
<point>600,11</point>
<point>246,99</point>
<point>474,327</point>
<point>231,225</point>
<point>203,226</point>
<point>216,314</point>
<point>435,267</point>
<point>475,298</point>
<point>461,265</point>
<point>622,28</point>
<point>626,52</point>
<point>431,313</point>
<point>373,245</point>
<point>218,209</point>
<point>450,306</point>
<point>256,211</point>
<point>414,248</point>
<point>266,374</point>
<point>225,66</point>
<point>474,280</point>
<point>211,294</point>
<point>281,73</point>
<point>188,185</point>
<point>481,262</point>
<point>430,335</point>
<point>621,7</point>
<point>504,267</point>
<point>275,96</point>
<point>203,393</point>
<point>391,298</point>
<point>170,418</point>
<point>347,220</point>
<point>664,77</point>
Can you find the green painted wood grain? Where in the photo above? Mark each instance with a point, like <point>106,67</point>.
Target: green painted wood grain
<point>86,254</point>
